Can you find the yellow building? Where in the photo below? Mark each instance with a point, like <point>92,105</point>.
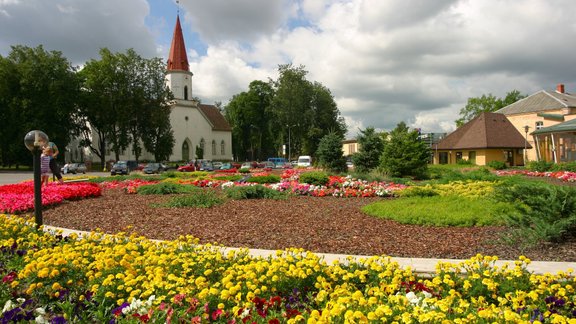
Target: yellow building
<point>540,110</point>
<point>349,147</point>
<point>488,137</point>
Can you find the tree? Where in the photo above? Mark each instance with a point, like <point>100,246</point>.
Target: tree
<point>370,149</point>
<point>486,103</point>
<point>38,90</point>
<point>405,154</point>
<point>329,153</point>
<point>199,152</point>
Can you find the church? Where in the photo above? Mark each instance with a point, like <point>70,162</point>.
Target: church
<point>194,124</point>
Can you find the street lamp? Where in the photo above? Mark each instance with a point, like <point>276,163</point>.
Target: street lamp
<point>289,152</point>
<point>35,140</point>
<point>526,128</point>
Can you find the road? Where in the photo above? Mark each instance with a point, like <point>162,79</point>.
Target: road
<point>19,176</point>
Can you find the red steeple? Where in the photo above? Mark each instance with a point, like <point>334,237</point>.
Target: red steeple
<point>178,59</point>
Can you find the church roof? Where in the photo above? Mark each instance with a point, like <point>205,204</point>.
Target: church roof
<point>219,123</point>
<point>488,130</point>
<point>178,60</point>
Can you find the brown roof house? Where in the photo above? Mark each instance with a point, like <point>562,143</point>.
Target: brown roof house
<point>488,137</point>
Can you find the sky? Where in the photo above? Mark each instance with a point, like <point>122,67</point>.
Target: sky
<point>416,61</point>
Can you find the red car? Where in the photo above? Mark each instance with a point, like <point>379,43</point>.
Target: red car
<point>187,168</point>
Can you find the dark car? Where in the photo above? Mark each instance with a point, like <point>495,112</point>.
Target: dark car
<point>154,168</point>
<point>74,168</point>
<point>120,167</point>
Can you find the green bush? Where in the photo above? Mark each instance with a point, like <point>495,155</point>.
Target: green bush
<point>228,178</point>
<point>418,191</point>
<point>439,211</point>
<point>244,171</point>
<point>566,166</point>
<point>464,162</point>
<point>540,166</point>
<point>265,179</point>
<point>254,192</point>
<point>165,188</point>
<point>201,199</point>
<point>317,178</point>
<point>497,165</point>
<point>451,175</point>
<point>544,212</point>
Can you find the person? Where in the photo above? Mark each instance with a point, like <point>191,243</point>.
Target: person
<point>53,164</point>
<point>45,165</point>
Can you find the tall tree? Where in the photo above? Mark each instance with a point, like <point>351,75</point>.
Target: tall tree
<point>370,148</point>
<point>486,103</point>
<point>405,154</point>
<point>39,91</point>
<point>329,153</point>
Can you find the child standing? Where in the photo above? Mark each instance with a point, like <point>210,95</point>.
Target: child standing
<point>45,164</point>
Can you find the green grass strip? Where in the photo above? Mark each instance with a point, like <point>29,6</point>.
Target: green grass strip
<point>440,211</point>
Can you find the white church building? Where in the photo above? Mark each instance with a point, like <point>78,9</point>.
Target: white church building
<point>193,124</point>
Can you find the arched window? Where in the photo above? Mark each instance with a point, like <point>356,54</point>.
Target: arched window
<point>222,148</point>
<point>185,151</point>
<point>213,147</point>
<point>185,92</point>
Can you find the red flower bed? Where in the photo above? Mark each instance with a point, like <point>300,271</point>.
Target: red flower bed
<point>19,198</point>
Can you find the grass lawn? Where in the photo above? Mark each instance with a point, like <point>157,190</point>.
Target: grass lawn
<point>440,211</point>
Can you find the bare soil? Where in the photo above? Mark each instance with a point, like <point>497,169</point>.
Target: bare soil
<point>327,224</point>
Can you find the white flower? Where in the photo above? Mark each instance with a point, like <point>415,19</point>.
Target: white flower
<point>8,306</point>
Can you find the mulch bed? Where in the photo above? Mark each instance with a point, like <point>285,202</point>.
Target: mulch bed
<point>327,224</point>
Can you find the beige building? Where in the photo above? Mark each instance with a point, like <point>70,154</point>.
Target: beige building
<point>539,110</point>
<point>349,147</point>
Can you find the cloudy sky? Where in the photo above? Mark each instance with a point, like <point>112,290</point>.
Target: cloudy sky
<point>416,61</point>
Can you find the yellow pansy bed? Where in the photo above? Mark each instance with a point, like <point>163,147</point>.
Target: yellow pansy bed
<point>126,278</point>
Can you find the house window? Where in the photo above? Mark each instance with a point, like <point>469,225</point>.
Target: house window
<point>352,148</point>
<point>222,148</point>
<point>186,93</point>
<point>458,156</point>
<point>539,124</point>
<point>443,157</point>
<point>213,147</point>
<point>472,156</point>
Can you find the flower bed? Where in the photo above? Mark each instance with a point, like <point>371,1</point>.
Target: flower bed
<point>562,175</point>
<point>131,279</point>
<point>19,198</point>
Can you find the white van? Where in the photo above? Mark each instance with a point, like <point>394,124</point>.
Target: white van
<point>304,161</point>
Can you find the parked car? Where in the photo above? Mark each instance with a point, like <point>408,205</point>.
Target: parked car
<point>217,165</point>
<point>154,168</point>
<point>269,165</point>
<point>226,166</point>
<point>246,166</point>
<point>120,167</point>
<point>74,168</point>
<point>206,166</point>
<point>187,168</point>
<point>304,161</point>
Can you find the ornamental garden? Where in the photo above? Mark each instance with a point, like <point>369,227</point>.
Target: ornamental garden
<point>126,278</point>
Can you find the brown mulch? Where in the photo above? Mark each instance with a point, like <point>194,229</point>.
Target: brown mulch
<point>327,224</point>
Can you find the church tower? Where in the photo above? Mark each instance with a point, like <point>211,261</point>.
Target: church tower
<point>178,75</point>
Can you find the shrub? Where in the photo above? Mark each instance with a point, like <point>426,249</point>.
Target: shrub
<point>544,212</point>
<point>228,178</point>
<point>418,191</point>
<point>567,166</point>
<point>497,165</point>
<point>317,178</point>
<point>464,162</point>
<point>201,199</point>
<point>265,179</point>
<point>405,154</point>
<point>540,166</point>
<point>254,192</point>
<point>329,153</point>
<point>165,188</point>
<point>244,171</point>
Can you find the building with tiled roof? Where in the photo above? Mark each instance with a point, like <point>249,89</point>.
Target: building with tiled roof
<point>542,109</point>
<point>488,137</point>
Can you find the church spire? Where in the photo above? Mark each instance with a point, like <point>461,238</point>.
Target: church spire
<point>178,59</point>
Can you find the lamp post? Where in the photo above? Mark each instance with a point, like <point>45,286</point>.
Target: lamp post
<point>289,151</point>
<point>526,128</point>
<point>35,140</point>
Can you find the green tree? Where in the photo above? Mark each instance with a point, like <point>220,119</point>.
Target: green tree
<point>370,147</point>
<point>329,153</point>
<point>405,154</point>
<point>486,103</point>
<point>199,152</point>
<point>39,90</point>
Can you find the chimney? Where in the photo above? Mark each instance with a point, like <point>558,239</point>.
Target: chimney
<point>560,88</point>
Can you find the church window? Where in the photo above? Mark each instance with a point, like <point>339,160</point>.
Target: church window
<point>213,147</point>
<point>185,151</point>
<point>202,144</point>
<point>185,92</point>
<point>222,148</point>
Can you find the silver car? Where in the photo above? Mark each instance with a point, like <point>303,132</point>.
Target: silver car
<point>74,168</point>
